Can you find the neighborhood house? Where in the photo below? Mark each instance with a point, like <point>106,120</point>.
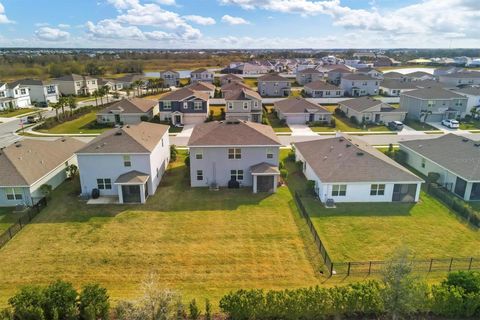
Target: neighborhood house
<point>300,111</point>
<point>273,85</point>
<point>128,111</point>
<point>75,84</point>
<point>184,106</point>
<point>369,110</point>
<point>243,104</point>
<point>355,85</point>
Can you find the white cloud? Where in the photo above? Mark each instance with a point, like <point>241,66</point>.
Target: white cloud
<point>52,34</point>
<point>166,2</point>
<point>234,20</point>
<point>110,29</point>
<point>63,25</point>
<point>205,21</point>
<point>41,24</point>
<point>3,17</point>
<point>124,4</point>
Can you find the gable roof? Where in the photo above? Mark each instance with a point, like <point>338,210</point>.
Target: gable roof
<point>137,138</point>
<point>130,78</point>
<point>393,75</point>
<point>28,160</point>
<point>242,94</point>
<point>235,86</point>
<point>455,153</point>
<point>132,105</point>
<point>233,133</point>
<point>345,159</point>
<point>272,77</point>
<point>433,93</point>
<point>74,77</point>
<point>32,82</point>
<point>321,85</point>
<point>419,74</point>
<point>200,70</point>
<point>363,103</point>
<point>184,93</point>
<point>465,74</point>
<point>298,105</point>
<point>398,84</point>
<point>309,70</point>
<point>339,70</point>
<point>231,76</point>
<point>358,76</point>
<point>201,86</point>
<point>473,91</point>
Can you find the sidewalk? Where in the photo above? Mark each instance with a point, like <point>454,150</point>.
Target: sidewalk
<point>301,130</point>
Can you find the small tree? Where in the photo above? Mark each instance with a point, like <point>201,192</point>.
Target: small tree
<point>194,311</point>
<point>28,303</point>
<point>60,301</point>
<point>187,161</point>
<point>71,171</point>
<point>93,303</point>
<point>208,310</point>
<point>144,118</point>
<point>46,190</point>
<point>311,186</point>
<point>424,113</point>
<point>173,153</point>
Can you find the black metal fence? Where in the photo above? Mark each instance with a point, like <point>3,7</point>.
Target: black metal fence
<point>321,247</point>
<point>372,267</point>
<point>22,221</point>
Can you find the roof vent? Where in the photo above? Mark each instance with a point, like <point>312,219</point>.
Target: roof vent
<point>341,139</point>
<point>339,155</point>
<point>465,140</point>
<point>476,144</point>
<point>325,158</point>
<point>360,153</point>
<point>348,145</point>
<point>18,145</point>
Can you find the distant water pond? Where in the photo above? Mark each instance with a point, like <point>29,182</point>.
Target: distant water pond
<point>410,70</point>
<point>155,74</point>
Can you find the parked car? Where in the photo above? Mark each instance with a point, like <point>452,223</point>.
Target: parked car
<point>451,123</point>
<point>33,118</point>
<point>395,125</point>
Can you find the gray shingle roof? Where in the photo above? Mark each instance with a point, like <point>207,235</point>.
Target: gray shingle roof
<point>298,105</point>
<point>133,105</point>
<point>321,85</point>
<point>138,138</point>
<point>184,93</point>
<point>398,84</point>
<point>345,159</point>
<point>453,152</point>
<point>74,77</point>
<point>470,74</point>
<point>393,75</point>
<point>242,94</point>
<point>362,103</point>
<point>474,91</point>
<point>201,86</point>
<point>233,133</point>
<point>309,71</point>
<point>132,177</point>
<point>433,93</point>
<point>264,168</point>
<point>357,76</point>
<point>27,161</point>
<point>272,77</point>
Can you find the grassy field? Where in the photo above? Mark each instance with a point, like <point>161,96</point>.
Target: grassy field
<point>7,218</point>
<point>344,125</point>
<point>471,125</point>
<point>274,122</point>
<point>362,232</point>
<point>16,112</point>
<point>420,126</point>
<point>79,125</point>
<point>200,242</point>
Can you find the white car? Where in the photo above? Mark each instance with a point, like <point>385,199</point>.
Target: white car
<point>450,123</point>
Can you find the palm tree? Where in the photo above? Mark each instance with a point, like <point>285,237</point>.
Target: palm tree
<point>96,95</point>
<point>55,106</point>
<point>63,101</point>
<point>106,91</point>
<point>425,113</point>
<point>138,85</point>
<point>72,103</point>
<point>101,94</point>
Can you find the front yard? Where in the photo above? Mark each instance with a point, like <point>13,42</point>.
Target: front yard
<point>345,125</point>
<point>470,125</point>
<point>419,126</point>
<point>84,124</point>
<point>363,232</point>
<point>200,242</point>
<point>16,112</point>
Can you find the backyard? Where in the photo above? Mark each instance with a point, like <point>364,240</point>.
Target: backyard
<point>200,242</point>
<point>363,232</point>
<point>8,217</point>
<point>16,112</point>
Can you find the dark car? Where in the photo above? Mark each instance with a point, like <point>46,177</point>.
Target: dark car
<point>395,125</point>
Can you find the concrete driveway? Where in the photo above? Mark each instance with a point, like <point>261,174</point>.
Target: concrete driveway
<point>441,127</point>
<point>301,130</point>
<point>187,131</point>
<point>409,131</point>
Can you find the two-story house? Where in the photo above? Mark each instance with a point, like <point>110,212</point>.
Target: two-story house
<point>243,104</point>
<point>335,75</point>
<point>206,87</point>
<point>230,78</point>
<point>356,85</point>
<point>201,74</point>
<point>308,75</point>
<point>234,153</point>
<point>170,78</point>
<point>74,84</point>
<point>460,78</point>
<point>124,165</point>
<point>41,92</point>
<point>14,95</point>
<point>322,89</point>
<point>184,106</point>
<point>434,103</point>
<point>273,85</point>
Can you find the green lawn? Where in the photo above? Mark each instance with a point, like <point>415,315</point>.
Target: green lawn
<point>274,122</point>
<point>471,125</point>
<point>419,126</point>
<point>362,232</point>
<point>200,242</point>
<point>7,218</point>
<point>79,125</point>
<point>16,112</point>
<point>344,125</point>
<point>251,82</point>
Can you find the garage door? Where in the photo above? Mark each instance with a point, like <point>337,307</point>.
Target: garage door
<point>193,119</point>
<point>295,119</point>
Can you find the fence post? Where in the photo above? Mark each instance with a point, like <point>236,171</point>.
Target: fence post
<point>348,270</point>
<point>331,268</point>
<point>430,268</point>
<point>470,264</point>
<point>450,266</point>
<point>20,223</point>
<point>369,267</point>
<point>10,232</point>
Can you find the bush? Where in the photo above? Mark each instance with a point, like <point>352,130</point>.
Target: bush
<point>187,161</point>
<point>333,123</point>
<point>282,122</point>
<point>469,281</point>
<point>173,153</point>
<point>93,303</point>
<point>28,303</point>
<point>299,165</point>
<point>283,173</point>
<point>208,310</point>
<point>60,301</point>
<point>194,311</point>
<point>354,120</point>
<point>311,186</point>
<point>144,118</point>
<point>339,112</point>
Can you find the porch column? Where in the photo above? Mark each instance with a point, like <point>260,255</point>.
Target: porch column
<point>254,184</point>
<point>275,183</point>
<point>468,191</point>
<point>120,193</point>
<point>417,192</point>
<point>142,193</point>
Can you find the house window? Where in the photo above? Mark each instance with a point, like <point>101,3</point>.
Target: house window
<point>126,161</point>
<point>2,93</point>
<point>23,91</point>
<point>185,105</point>
<point>269,153</point>
<point>327,93</point>
<point>14,193</point>
<point>339,190</point>
<point>167,105</point>
<point>79,83</point>
<point>430,103</point>
<point>245,105</point>
<point>162,142</point>
<point>93,81</point>
<point>230,106</point>
<point>255,103</point>
<point>104,184</point>
<point>423,163</point>
<point>199,175</point>
<point>236,175</point>
<point>197,105</point>
<point>234,153</point>
<point>51,89</point>
<point>199,156</point>
<point>377,189</point>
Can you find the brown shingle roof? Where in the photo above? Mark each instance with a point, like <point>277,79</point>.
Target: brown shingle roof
<point>455,153</point>
<point>272,77</point>
<point>235,86</point>
<point>74,77</point>
<point>233,133</point>
<point>321,85</point>
<point>201,86</point>
<point>184,93</point>
<point>298,105</point>
<point>133,177</point>
<point>242,94</point>
<point>137,138</point>
<point>362,103</point>
<point>398,84</point>
<point>27,161</point>
<point>357,76</point>
<point>433,93</point>
<point>264,168</point>
<point>200,70</point>
<point>309,71</point>
<point>133,105</point>
<point>231,77</point>
<point>345,159</point>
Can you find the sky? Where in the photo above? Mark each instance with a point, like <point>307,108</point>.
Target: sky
<point>240,24</point>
